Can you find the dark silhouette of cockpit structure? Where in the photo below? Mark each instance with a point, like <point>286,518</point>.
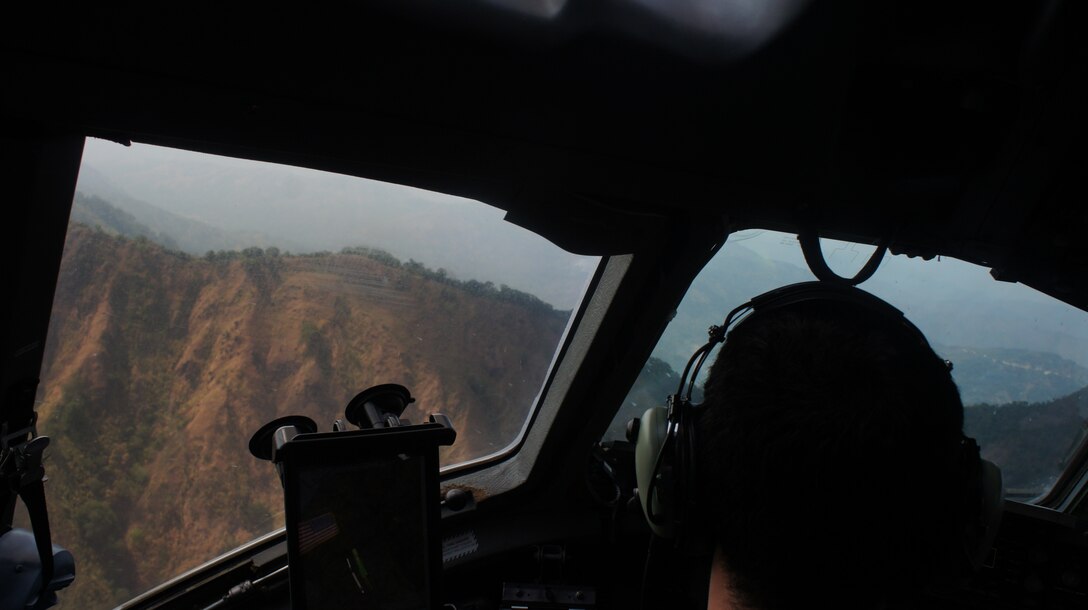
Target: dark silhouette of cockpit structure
<point>929,128</point>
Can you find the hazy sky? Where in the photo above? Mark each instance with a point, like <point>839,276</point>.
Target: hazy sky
<point>300,208</point>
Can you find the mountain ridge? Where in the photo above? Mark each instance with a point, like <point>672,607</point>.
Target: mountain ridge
<point>299,210</point>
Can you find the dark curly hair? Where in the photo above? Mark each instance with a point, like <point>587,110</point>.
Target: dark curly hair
<point>825,450</point>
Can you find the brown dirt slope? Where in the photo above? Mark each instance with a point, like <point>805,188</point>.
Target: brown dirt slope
<point>159,366</point>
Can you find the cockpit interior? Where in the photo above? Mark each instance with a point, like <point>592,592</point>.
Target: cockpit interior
<point>515,220</point>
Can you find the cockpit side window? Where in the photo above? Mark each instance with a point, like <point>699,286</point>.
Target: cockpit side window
<point>1020,358</point>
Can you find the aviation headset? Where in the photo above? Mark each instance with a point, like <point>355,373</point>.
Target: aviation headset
<point>665,447</point>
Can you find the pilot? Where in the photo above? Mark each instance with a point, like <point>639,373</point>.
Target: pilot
<point>830,454</point>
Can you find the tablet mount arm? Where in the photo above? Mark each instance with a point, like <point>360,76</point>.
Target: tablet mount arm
<point>376,408</point>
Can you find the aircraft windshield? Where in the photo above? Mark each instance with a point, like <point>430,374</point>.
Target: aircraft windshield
<point>200,297</point>
<point>1020,357</point>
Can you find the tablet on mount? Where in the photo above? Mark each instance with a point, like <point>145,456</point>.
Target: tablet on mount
<point>362,506</point>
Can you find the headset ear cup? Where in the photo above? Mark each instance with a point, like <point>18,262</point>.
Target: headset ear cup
<point>653,433</point>
<point>990,512</point>
<point>692,525</point>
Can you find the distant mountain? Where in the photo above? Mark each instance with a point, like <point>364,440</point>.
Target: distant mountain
<point>732,277</point>
<point>165,228</point>
<point>998,376</point>
<point>160,365</point>
<point>96,212</point>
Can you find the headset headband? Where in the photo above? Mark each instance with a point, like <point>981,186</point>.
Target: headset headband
<point>781,298</point>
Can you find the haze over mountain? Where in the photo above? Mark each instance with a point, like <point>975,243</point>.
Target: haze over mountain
<point>303,210</point>
<point>169,229</point>
<point>953,302</point>
<point>93,211</point>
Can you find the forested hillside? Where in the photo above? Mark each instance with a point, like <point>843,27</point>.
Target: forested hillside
<point>1030,441</point>
<point>159,366</point>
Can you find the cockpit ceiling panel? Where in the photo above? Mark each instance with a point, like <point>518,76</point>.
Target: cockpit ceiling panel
<point>712,30</point>
<point>943,130</point>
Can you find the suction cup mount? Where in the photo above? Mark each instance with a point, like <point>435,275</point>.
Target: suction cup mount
<point>379,407</point>
<point>264,442</point>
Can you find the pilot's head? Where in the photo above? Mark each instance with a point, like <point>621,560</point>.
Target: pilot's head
<point>826,453</point>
